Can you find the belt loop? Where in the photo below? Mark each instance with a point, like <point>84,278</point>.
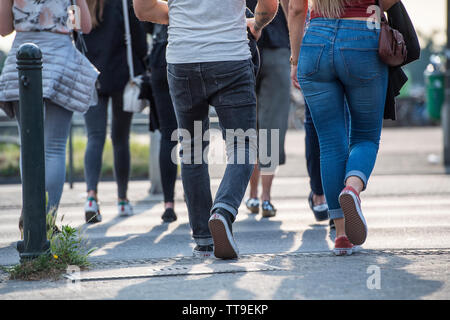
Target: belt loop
<point>336,28</point>
<point>335,31</point>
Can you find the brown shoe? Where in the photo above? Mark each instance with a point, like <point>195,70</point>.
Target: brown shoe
<point>252,205</point>
<point>268,210</point>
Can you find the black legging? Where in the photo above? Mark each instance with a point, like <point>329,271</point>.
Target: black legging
<point>167,125</point>
<point>96,122</point>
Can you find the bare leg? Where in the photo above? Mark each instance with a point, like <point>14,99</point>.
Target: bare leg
<point>266,186</point>
<point>318,200</point>
<point>168,205</point>
<point>356,183</point>
<point>92,194</point>
<point>254,181</point>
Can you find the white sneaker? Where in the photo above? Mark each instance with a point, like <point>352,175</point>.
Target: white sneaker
<point>203,251</point>
<point>92,211</point>
<point>125,209</point>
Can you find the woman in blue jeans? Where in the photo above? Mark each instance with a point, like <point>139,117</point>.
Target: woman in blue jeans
<point>339,59</point>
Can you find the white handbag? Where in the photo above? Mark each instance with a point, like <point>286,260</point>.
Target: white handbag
<point>131,101</point>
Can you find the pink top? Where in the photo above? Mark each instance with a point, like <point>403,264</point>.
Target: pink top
<point>353,9</point>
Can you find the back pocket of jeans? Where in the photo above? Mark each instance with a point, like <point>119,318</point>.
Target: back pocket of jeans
<point>362,64</point>
<point>309,61</point>
<point>180,92</point>
<point>235,87</point>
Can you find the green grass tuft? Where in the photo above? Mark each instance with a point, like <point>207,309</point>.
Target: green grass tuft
<point>68,247</point>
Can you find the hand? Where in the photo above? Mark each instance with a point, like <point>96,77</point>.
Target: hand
<point>256,32</point>
<point>294,78</point>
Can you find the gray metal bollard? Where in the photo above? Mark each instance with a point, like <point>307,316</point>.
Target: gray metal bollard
<point>31,108</point>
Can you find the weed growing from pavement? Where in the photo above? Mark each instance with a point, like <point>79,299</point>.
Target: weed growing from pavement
<point>68,247</point>
<point>43,267</point>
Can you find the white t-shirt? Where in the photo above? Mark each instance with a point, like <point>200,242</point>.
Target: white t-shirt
<point>207,31</point>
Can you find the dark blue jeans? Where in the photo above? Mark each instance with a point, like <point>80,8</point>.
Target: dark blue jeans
<point>229,86</point>
<point>167,125</point>
<point>339,60</point>
<point>312,154</point>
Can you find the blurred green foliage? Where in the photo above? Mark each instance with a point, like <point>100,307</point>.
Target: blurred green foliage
<point>139,149</point>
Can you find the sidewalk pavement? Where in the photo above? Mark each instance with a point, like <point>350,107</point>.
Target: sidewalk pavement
<point>406,256</point>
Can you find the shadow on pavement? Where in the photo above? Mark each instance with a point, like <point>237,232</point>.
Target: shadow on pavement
<point>307,277</point>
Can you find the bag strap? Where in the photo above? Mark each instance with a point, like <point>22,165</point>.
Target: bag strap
<point>128,38</point>
<point>382,13</point>
<point>380,4</point>
<point>80,44</point>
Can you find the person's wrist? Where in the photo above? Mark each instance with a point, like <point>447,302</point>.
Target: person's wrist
<point>293,61</point>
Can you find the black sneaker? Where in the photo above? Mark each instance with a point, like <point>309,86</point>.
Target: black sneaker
<point>320,211</point>
<point>92,211</point>
<point>220,225</point>
<point>203,251</point>
<point>169,215</point>
<point>332,226</point>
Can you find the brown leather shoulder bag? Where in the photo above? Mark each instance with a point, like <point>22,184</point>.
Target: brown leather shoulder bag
<point>392,47</point>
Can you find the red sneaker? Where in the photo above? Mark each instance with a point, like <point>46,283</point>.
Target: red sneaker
<point>355,224</point>
<point>343,246</point>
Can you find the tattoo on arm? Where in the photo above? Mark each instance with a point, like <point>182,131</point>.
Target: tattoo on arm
<point>262,19</point>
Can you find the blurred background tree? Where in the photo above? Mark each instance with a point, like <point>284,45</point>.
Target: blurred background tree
<point>416,69</point>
